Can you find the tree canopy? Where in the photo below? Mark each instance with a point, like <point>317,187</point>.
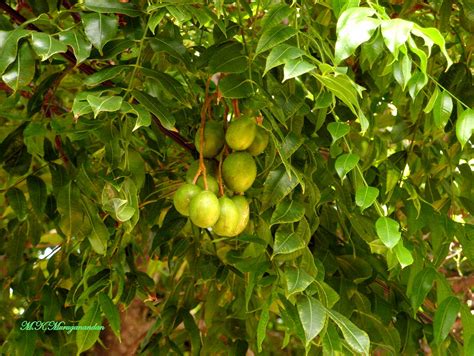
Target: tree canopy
<point>359,236</point>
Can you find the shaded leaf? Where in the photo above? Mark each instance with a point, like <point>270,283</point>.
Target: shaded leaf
<point>37,192</point>
<point>288,241</point>
<point>17,201</point>
<point>444,318</point>
<point>112,6</point>
<point>153,105</point>
<point>235,86</point>
<point>423,282</point>
<point>277,185</point>
<point>275,15</point>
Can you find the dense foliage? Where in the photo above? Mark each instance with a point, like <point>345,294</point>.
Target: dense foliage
<point>361,236</point>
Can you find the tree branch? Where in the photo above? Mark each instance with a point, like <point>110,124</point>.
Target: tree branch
<point>86,69</point>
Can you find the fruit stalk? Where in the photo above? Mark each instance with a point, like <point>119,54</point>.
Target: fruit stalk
<point>223,153</point>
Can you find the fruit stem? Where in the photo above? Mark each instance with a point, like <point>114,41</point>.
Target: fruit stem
<point>235,105</point>
<point>204,112</point>
<point>223,153</point>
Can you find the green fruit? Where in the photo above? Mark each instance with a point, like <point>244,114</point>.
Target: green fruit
<point>228,218</point>
<point>241,133</point>
<point>212,184</point>
<point>183,196</point>
<point>204,209</point>
<point>239,171</point>
<point>213,139</point>
<point>260,142</point>
<point>243,208</point>
<point>211,168</point>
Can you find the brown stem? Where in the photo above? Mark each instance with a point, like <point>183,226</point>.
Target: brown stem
<point>235,105</point>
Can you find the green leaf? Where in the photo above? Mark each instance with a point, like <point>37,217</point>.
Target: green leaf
<point>416,83</point>
<point>402,71</point>
<point>288,241</point>
<point>99,235</point>
<point>112,6</point>
<point>287,212</point>
<point>292,320</point>
<point>442,109</point>
<point>236,86</point>
<point>99,28</point>
<point>105,75</point>
<point>73,221</point>
<point>77,41</point>
<point>273,37</point>
<point>432,35</point>
<point>465,126</point>
<point>143,116</point>
<point>366,196</point>
<point>332,345</point>
<point>85,339</point>
<point>9,46</point>
<point>281,54</point>
<point>277,186</point>
<point>22,71</point>
<point>431,103</point>
<point>111,313</point>
<point>193,330</point>
<point>296,67</point>
<point>229,58</point>
<point>388,231</point>
<point>346,163</point>
<point>444,318</point>
<point>297,280</point>
<point>347,38</point>
<point>275,15</point>
<point>338,130</point>
<point>344,88</point>
<point>169,84</point>
<point>357,339</point>
<point>423,282</point>
<point>312,315</point>
<point>16,200</point>
<point>262,325</point>
<point>403,254</point>
<point>46,46</point>
<point>104,103</point>
<point>339,6</point>
<point>395,33</point>
<point>154,106</point>
<point>37,192</point>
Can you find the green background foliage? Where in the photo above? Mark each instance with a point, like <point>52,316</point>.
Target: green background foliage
<point>361,214</point>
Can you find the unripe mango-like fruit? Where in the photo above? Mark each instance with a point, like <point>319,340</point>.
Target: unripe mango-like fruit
<point>204,209</point>
<point>239,171</point>
<point>241,133</point>
<point>243,208</point>
<point>260,142</point>
<point>211,168</point>
<point>213,139</point>
<point>212,184</point>
<point>228,218</point>
<point>183,196</point>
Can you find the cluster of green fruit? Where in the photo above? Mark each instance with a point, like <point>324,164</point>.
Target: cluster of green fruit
<point>226,216</point>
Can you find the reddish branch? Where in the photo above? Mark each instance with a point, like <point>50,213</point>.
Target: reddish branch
<point>86,69</point>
